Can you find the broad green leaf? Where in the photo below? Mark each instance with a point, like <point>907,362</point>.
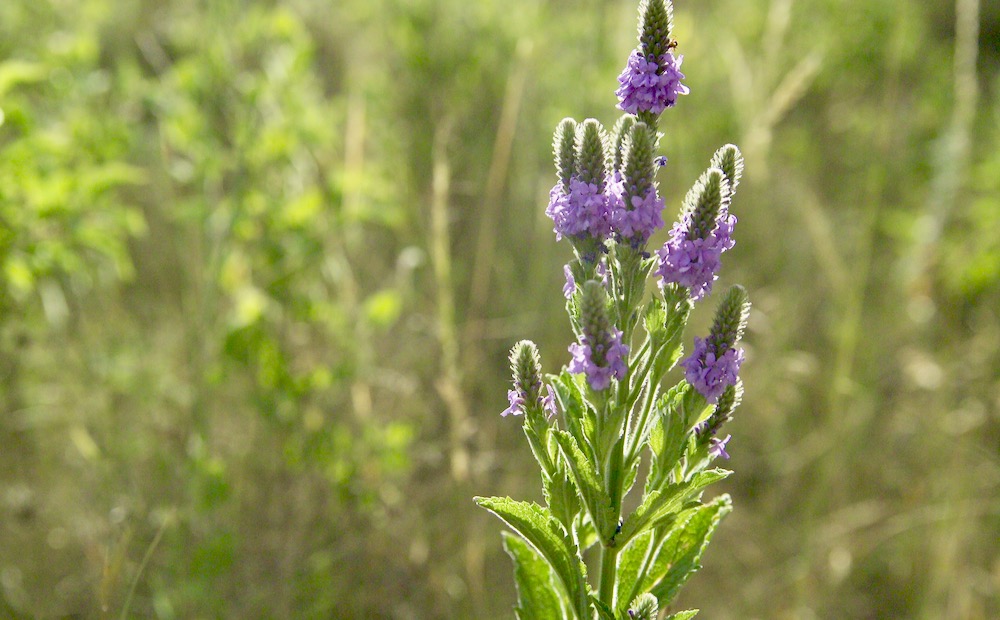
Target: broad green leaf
<point>537,526</point>
<point>680,555</point>
<point>659,504</point>
<point>538,597</point>
<point>588,483</point>
<point>684,615</point>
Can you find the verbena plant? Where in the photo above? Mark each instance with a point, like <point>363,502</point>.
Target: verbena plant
<point>590,425</point>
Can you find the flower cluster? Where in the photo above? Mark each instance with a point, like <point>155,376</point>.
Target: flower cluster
<point>714,365</point>
<point>634,216</point>
<point>692,255</point>
<point>582,211</point>
<point>650,84</point>
<point>601,358</point>
<point>694,262</point>
<point>710,370</point>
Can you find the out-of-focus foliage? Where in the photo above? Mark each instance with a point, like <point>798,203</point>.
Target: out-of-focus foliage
<point>260,263</point>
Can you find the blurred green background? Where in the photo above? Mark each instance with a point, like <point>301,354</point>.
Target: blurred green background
<point>261,262</point>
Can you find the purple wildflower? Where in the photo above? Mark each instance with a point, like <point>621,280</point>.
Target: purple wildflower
<point>717,447</point>
<point>516,404</point>
<point>602,272</point>
<point>549,402</point>
<point>582,212</point>
<point>692,261</point>
<point>570,286</point>
<point>600,361</point>
<point>709,371</point>
<point>650,84</point>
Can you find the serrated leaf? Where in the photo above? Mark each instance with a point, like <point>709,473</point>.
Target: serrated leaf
<point>603,611</point>
<point>560,495</point>
<point>588,483</point>
<point>539,528</point>
<point>684,615</point>
<point>660,503</point>
<point>681,552</point>
<point>631,561</point>
<point>537,594</point>
<point>577,413</point>
<point>676,412</point>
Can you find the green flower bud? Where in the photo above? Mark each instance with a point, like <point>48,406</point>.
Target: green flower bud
<point>705,200</point>
<point>656,22</point>
<point>618,136</point>
<point>730,161</point>
<point>644,607</point>
<point>564,149</point>
<point>730,319</point>
<point>639,167</point>
<point>591,152</point>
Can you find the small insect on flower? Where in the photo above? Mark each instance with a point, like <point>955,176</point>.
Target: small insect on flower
<point>672,44</point>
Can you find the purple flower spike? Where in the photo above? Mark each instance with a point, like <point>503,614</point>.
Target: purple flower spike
<point>694,262</point>
<point>650,84</point>
<point>570,286</point>
<point>709,372</point>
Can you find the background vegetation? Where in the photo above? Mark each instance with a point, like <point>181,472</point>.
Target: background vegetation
<point>261,262</point>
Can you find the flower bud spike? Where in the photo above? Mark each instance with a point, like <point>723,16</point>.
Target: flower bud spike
<point>644,607</point>
<point>715,363</point>
<point>637,209</point>
<point>564,149</point>
<point>651,81</point>
<point>731,318</point>
<point>600,354</point>
<point>526,368</point>
<point>705,201</point>
<point>730,161</point>
<point>591,152</point>
<point>656,24</point>
<point>619,134</point>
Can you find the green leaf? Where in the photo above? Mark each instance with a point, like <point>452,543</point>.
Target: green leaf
<point>659,504</point>
<point>603,611</point>
<point>684,615</point>
<point>537,594</point>
<point>681,551</point>
<point>631,563</point>
<point>577,412</point>
<point>560,495</point>
<point>676,413</point>
<point>537,526</point>
<point>588,483</point>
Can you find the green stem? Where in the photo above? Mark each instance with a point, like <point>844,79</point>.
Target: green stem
<point>609,566</point>
<point>615,477</point>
